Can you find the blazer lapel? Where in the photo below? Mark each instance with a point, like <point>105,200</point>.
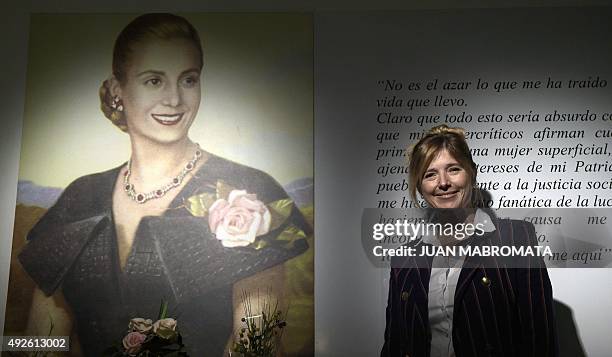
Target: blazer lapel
<point>471,265</point>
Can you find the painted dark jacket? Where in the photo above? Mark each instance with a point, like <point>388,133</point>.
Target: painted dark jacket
<point>501,308</point>
<point>174,257</point>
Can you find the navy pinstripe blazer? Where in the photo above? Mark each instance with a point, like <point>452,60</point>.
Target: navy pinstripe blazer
<point>498,311</point>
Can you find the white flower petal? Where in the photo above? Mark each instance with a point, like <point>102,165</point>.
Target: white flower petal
<point>231,244</point>
<point>216,203</point>
<point>264,227</point>
<point>235,194</point>
<point>254,228</point>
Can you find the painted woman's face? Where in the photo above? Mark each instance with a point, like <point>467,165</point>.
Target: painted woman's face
<point>445,183</point>
<point>161,93</point>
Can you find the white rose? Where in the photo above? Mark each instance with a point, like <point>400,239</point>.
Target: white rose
<point>141,325</point>
<point>165,328</point>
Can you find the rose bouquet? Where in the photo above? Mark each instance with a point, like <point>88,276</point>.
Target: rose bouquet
<point>145,338</point>
<point>261,331</point>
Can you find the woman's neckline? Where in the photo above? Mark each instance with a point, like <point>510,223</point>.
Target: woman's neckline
<point>175,205</point>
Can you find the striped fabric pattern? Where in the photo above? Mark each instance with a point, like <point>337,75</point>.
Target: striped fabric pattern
<point>499,311</point>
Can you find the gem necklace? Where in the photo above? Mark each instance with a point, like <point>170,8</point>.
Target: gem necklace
<point>160,192</point>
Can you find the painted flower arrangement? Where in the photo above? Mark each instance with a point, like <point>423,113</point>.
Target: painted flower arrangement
<point>238,218</point>
<point>145,338</point>
<point>262,329</point>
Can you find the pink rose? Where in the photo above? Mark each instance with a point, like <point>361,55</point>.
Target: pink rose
<point>132,342</point>
<point>237,221</point>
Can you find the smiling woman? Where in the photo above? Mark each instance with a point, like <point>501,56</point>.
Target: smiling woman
<point>159,87</point>
<point>117,243</point>
<point>458,305</point>
<point>445,183</point>
<point>442,170</point>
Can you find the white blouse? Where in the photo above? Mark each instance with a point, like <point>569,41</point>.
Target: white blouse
<point>442,286</point>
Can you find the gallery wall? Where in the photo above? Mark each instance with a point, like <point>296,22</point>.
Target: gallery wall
<point>352,52</point>
<point>531,87</point>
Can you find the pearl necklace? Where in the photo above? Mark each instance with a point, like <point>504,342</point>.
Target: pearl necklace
<point>140,197</point>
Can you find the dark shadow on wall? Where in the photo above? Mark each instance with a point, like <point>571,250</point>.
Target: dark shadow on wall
<point>569,341</point>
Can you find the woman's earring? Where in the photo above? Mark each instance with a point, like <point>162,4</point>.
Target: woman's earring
<point>116,115</point>
<point>116,104</point>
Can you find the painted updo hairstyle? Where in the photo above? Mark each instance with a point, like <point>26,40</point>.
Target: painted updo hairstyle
<point>425,151</point>
<point>157,26</point>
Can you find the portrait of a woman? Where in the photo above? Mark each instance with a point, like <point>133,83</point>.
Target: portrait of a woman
<point>174,223</point>
<point>470,305</point>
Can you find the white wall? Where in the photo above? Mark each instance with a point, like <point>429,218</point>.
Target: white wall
<point>587,292</point>
<point>357,50</point>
